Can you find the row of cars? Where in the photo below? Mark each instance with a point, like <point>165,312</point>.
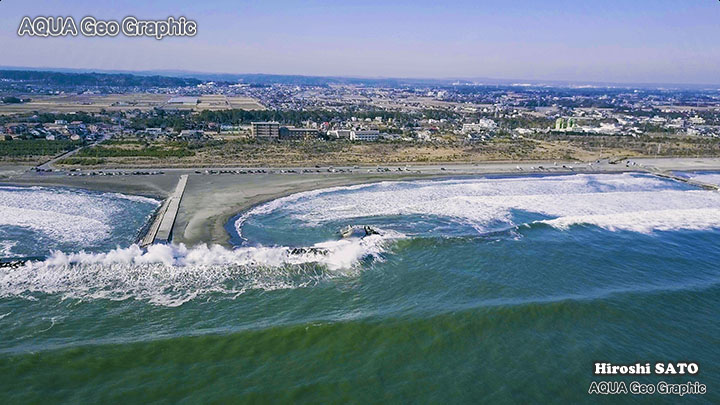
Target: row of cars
<point>277,171</point>
<point>317,169</point>
<point>118,173</point>
<point>78,172</point>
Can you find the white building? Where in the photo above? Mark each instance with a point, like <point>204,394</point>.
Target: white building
<point>697,120</point>
<point>484,124</point>
<point>610,129</point>
<point>339,133</point>
<point>365,135</point>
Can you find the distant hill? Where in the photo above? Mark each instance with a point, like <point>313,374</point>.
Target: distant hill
<point>167,76</point>
<point>171,78</point>
<point>66,79</point>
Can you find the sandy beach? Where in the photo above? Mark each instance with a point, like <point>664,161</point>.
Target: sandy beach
<point>210,200</point>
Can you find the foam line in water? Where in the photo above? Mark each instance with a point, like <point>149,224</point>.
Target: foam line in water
<point>481,203</point>
<point>709,177</point>
<point>645,221</point>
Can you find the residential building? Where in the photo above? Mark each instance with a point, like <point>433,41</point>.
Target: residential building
<point>153,131</point>
<point>266,130</point>
<point>340,133</point>
<point>190,134</point>
<point>365,135</point>
<point>293,133</point>
<point>482,125</point>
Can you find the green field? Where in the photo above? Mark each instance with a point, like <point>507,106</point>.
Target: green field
<point>35,147</point>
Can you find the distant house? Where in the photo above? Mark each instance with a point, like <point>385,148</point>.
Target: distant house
<point>482,125</point>
<point>697,120</point>
<point>192,134</point>
<point>340,133</point>
<point>226,127</point>
<point>153,131</point>
<point>16,129</point>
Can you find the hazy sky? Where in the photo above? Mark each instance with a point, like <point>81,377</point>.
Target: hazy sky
<point>662,41</point>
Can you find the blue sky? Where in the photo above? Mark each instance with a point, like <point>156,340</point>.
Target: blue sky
<point>659,41</point>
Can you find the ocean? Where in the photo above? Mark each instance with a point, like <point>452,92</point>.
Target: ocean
<point>472,290</point>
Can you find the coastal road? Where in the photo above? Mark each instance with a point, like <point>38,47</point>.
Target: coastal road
<point>50,163</point>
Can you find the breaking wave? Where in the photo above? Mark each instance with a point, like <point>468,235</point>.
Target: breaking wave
<point>174,274</point>
<point>645,221</point>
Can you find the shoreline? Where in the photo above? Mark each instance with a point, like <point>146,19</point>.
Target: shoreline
<point>211,201</point>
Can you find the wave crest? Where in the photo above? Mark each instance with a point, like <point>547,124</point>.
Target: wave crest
<point>174,274</point>
<point>645,221</point>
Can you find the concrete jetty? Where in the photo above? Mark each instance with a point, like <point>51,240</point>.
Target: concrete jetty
<point>160,230</point>
<point>670,175</point>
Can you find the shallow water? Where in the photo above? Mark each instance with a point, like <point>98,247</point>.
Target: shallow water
<point>483,289</point>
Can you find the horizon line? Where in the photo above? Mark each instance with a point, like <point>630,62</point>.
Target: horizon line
<point>501,81</point>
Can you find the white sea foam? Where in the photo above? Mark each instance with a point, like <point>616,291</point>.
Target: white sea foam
<point>336,254</point>
<point>6,247</point>
<point>174,274</point>
<point>638,202</point>
<point>712,178</point>
<point>56,225</point>
<point>64,215</point>
<point>135,198</point>
<point>645,221</point>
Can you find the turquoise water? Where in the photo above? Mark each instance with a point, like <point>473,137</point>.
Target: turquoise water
<point>476,290</point>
